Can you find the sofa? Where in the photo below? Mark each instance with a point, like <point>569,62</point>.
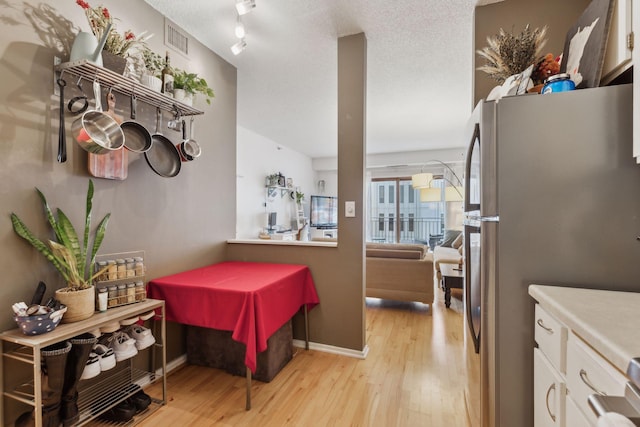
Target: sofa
<point>450,252</point>
<point>401,272</point>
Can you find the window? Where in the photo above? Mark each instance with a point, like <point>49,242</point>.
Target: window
<point>395,213</point>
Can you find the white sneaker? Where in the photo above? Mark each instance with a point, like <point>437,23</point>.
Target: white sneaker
<point>123,346</point>
<point>107,356</point>
<point>142,335</point>
<point>92,368</point>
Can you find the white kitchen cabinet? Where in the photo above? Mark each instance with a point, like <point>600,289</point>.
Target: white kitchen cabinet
<point>549,390</point>
<point>589,373</point>
<point>574,416</point>
<point>618,57</point>
<point>549,393</point>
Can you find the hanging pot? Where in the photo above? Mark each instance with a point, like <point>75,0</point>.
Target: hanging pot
<point>163,156</point>
<point>189,149</point>
<point>96,131</point>
<point>137,137</point>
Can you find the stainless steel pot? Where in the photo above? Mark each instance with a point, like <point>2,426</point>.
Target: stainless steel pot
<point>96,131</point>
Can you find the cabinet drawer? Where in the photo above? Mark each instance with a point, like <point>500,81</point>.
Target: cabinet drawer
<point>551,336</point>
<point>574,416</point>
<point>548,393</point>
<point>589,373</point>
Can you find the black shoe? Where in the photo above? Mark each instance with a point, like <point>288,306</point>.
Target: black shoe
<point>122,412</point>
<point>140,401</point>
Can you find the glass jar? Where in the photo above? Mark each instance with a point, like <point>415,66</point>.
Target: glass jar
<point>103,296</point>
<point>139,266</point>
<point>121,268</point>
<point>141,293</point>
<point>101,265</point>
<point>131,292</point>
<point>122,293</point>
<point>130,267</point>
<point>113,296</point>
<point>558,83</point>
<point>112,270</point>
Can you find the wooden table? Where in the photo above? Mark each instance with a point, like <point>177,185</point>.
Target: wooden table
<point>452,277</point>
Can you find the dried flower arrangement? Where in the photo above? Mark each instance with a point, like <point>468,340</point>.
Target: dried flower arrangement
<point>508,54</point>
<point>118,44</point>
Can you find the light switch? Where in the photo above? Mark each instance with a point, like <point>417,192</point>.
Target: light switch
<point>350,209</point>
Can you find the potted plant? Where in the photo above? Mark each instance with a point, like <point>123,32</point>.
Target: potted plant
<point>152,71</point>
<point>191,84</point>
<point>72,260</point>
<point>118,46</point>
<point>299,197</point>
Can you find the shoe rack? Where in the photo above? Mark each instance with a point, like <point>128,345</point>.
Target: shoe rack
<point>98,394</point>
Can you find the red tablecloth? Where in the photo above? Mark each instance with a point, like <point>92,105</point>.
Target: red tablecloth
<point>251,299</point>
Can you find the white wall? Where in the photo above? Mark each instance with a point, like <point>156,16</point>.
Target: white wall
<point>258,157</point>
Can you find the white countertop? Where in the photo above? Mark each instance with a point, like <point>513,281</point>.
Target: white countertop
<point>608,320</point>
<point>284,242</point>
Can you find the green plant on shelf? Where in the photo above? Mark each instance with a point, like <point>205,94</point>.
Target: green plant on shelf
<point>192,83</point>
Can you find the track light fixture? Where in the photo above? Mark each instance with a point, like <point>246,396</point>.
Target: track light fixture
<point>245,6</point>
<point>240,32</point>
<point>238,47</point>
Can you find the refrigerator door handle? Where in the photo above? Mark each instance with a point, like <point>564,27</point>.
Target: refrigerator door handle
<point>474,144</point>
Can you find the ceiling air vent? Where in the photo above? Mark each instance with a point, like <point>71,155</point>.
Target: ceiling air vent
<point>176,37</point>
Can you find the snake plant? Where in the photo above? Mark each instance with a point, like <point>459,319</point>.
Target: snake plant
<point>66,255</point>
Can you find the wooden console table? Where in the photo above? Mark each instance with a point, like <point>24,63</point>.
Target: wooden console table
<point>451,278</point>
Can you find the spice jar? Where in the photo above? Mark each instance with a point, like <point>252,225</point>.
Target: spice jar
<point>113,296</point>
<point>122,293</point>
<point>121,268</point>
<point>130,267</point>
<point>139,266</point>
<point>131,292</point>
<point>112,270</point>
<point>101,265</point>
<point>141,293</point>
<point>103,296</point>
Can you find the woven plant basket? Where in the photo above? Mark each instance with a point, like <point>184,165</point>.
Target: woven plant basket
<point>80,304</point>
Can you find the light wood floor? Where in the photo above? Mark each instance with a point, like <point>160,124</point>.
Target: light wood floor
<point>413,376</point>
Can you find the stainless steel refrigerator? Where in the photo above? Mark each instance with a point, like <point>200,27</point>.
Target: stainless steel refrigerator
<point>552,197</point>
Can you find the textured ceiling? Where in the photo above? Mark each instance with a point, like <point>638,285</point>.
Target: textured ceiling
<point>419,70</point>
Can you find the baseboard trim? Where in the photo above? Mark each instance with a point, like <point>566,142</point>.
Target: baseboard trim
<point>182,360</point>
<point>358,354</point>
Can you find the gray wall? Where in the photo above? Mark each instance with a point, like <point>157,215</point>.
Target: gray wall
<point>337,272</point>
<point>514,15</point>
<point>179,222</point>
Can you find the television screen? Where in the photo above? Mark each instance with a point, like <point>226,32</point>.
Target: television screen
<point>324,211</point>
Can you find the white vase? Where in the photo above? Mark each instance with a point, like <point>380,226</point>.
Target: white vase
<point>183,96</point>
<point>152,82</point>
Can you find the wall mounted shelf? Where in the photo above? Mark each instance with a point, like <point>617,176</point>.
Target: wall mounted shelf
<point>125,86</point>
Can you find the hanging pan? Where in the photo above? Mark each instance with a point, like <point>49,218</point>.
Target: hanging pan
<point>163,156</point>
<point>96,131</point>
<point>136,137</point>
